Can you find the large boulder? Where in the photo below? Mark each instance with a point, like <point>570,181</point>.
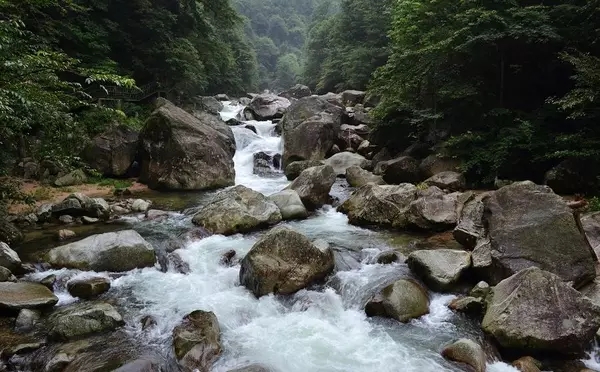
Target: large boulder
<point>207,104</point>
<point>434,210</point>
<point>290,205</point>
<point>404,169</point>
<point>353,97</point>
<point>283,262</point>
<point>573,176</point>
<point>76,177</point>
<point>297,91</point>
<point>113,152</point>
<point>81,319</point>
<point>25,295</point>
<point>216,123</point>
<point>468,352</point>
<point>9,233</point>
<point>448,180</point>
<point>197,341</point>
<point>293,169</point>
<point>81,205</point>
<point>268,106</point>
<point>238,209</point>
<point>313,186</point>
<point>115,251</point>
<point>536,311</point>
<point>436,163</point>
<point>342,161</point>
<point>529,225</point>
<point>252,368</point>
<point>311,127</point>
<point>440,269</point>
<point>403,300</point>
<point>358,177</point>
<point>9,258</point>
<point>181,152</point>
<point>380,205</point>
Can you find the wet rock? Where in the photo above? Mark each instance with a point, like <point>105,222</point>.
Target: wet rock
<point>140,205</point>
<point>66,219</point>
<point>81,319</point>
<point>468,305</point>
<point>265,165</point>
<point>380,205</point>
<point>182,152</point>
<point>470,228</point>
<point>89,220</point>
<point>527,364</point>
<point>358,177</point>
<point>468,352</point>
<point>26,320</point>
<point>48,281</point>
<point>113,152</point>
<point>313,186</point>
<point>197,341</point>
<point>208,104</point>
<point>115,251</point>
<point>251,127</point>
<point>404,169</point>
<point>311,127</point>
<point>222,97</point>
<point>76,177</point>
<point>252,368</point>
<point>364,148</point>
<point>44,212</point>
<point>9,258</point>
<point>440,269</point>
<point>283,262</point>
<point>434,210</point>
<point>65,234</point>
<point>297,91</point>
<point>81,205</point>
<point>293,170</point>
<point>233,122</point>
<point>88,288</point>
<point>177,264</point>
<point>448,181</point>
<point>387,257</point>
<point>403,300</point>
<point>227,258</point>
<point>436,163</point>
<point>528,225</point>
<point>148,322</point>
<point>9,233</point>
<point>344,160</point>
<point>290,205</point>
<point>481,290</point>
<point>353,97</point>
<point>235,210</point>
<point>58,363</point>
<point>268,106</point>
<point>519,302</point>
<point>25,295</point>
<point>6,275</point>
<point>591,226</point>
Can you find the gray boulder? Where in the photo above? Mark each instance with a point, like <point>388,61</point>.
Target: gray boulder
<point>115,251</point>
<point>380,205</point>
<point>353,97</point>
<point>25,295</point>
<point>222,97</point>
<point>26,320</point>
<point>215,122</point>
<point>81,205</point>
<point>404,169</point>
<point>6,275</point>
<point>440,269</point>
<point>342,161</point>
<point>9,258</point>
<point>268,106</point>
<point>434,210</point>
<point>311,127</point>
<point>113,152</point>
<point>436,163</point>
<point>470,228</point>
<point>81,319</point>
<point>469,305</point>
<point>197,341</point>
<point>290,205</point>
<point>206,104</point>
<point>88,288</point>
<point>528,225</point>
<point>403,300</point>
<point>536,311</point>
<point>468,352</point>
<point>448,180</point>
<point>293,170</point>
<point>283,262</point>
<point>76,177</point>
<point>313,186</point>
<point>297,91</point>
<point>238,209</point>
<point>181,152</point>
<point>358,177</point>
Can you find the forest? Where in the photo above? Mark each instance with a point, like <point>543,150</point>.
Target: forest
<point>512,88</point>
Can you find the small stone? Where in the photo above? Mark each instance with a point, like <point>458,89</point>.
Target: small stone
<point>49,281</point>
<point>527,364</point>
<point>88,288</point>
<point>468,305</point>
<point>140,205</point>
<point>65,234</point>
<point>387,257</point>
<point>468,352</point>
<point>26,320</point>
<point>89,220</point>
<point>227,257</point>
<point>66,219</point>
<point>148,322</point>
<point>6,275</point>
<point>481,290</point>
<point>9,258</point>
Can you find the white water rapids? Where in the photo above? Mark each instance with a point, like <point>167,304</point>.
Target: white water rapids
<point>323,329</point>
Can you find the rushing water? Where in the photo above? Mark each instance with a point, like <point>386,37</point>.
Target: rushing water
<point>321,329</point>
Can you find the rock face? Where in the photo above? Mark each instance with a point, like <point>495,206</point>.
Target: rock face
<point>297,91</point>
<point>25,295</point>
<point>399,170</point>
<point>293,170</point>
<point>380,205</point>
<point>403,300</point>
<point>536,311</point>
<point>434,210</point>
<point>9,258</point>
<point>313,186</point>
<point>528,225</point>
<point>344,160</point>
<point>311,127</point>
<point>268,106</point>
<point>115,251</point>
<point>113,151</point>
<point>88,287</point>
<point>452,181</point>
<point>82,319</point>
<point>468,352</point>
<point>440,269</point>
<point>197,341</point>
<point>283,262</point>
<point>358,177</point>
<point>290,205</point>
<point>180,152</point>
<point>236,210</point>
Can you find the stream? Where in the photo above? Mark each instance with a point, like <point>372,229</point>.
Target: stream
<point>321,329</point>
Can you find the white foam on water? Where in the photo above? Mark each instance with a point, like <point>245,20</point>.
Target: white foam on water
<point>230,110</point>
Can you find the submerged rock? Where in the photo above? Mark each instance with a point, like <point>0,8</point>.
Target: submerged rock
<point>197,341</point>
<point>236,210</point>
<point>25,295</point>
<point>313,186</point>
<point>283,262</point>
<point>440,269</point>
<point>290,205</point>
<point>116,251</point>
<point>82,319</point>
<point>534,310</point>
<point>468,352</point>
<point>403,300</point>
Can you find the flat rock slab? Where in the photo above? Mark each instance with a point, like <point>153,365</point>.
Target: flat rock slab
<point>22,295</point>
